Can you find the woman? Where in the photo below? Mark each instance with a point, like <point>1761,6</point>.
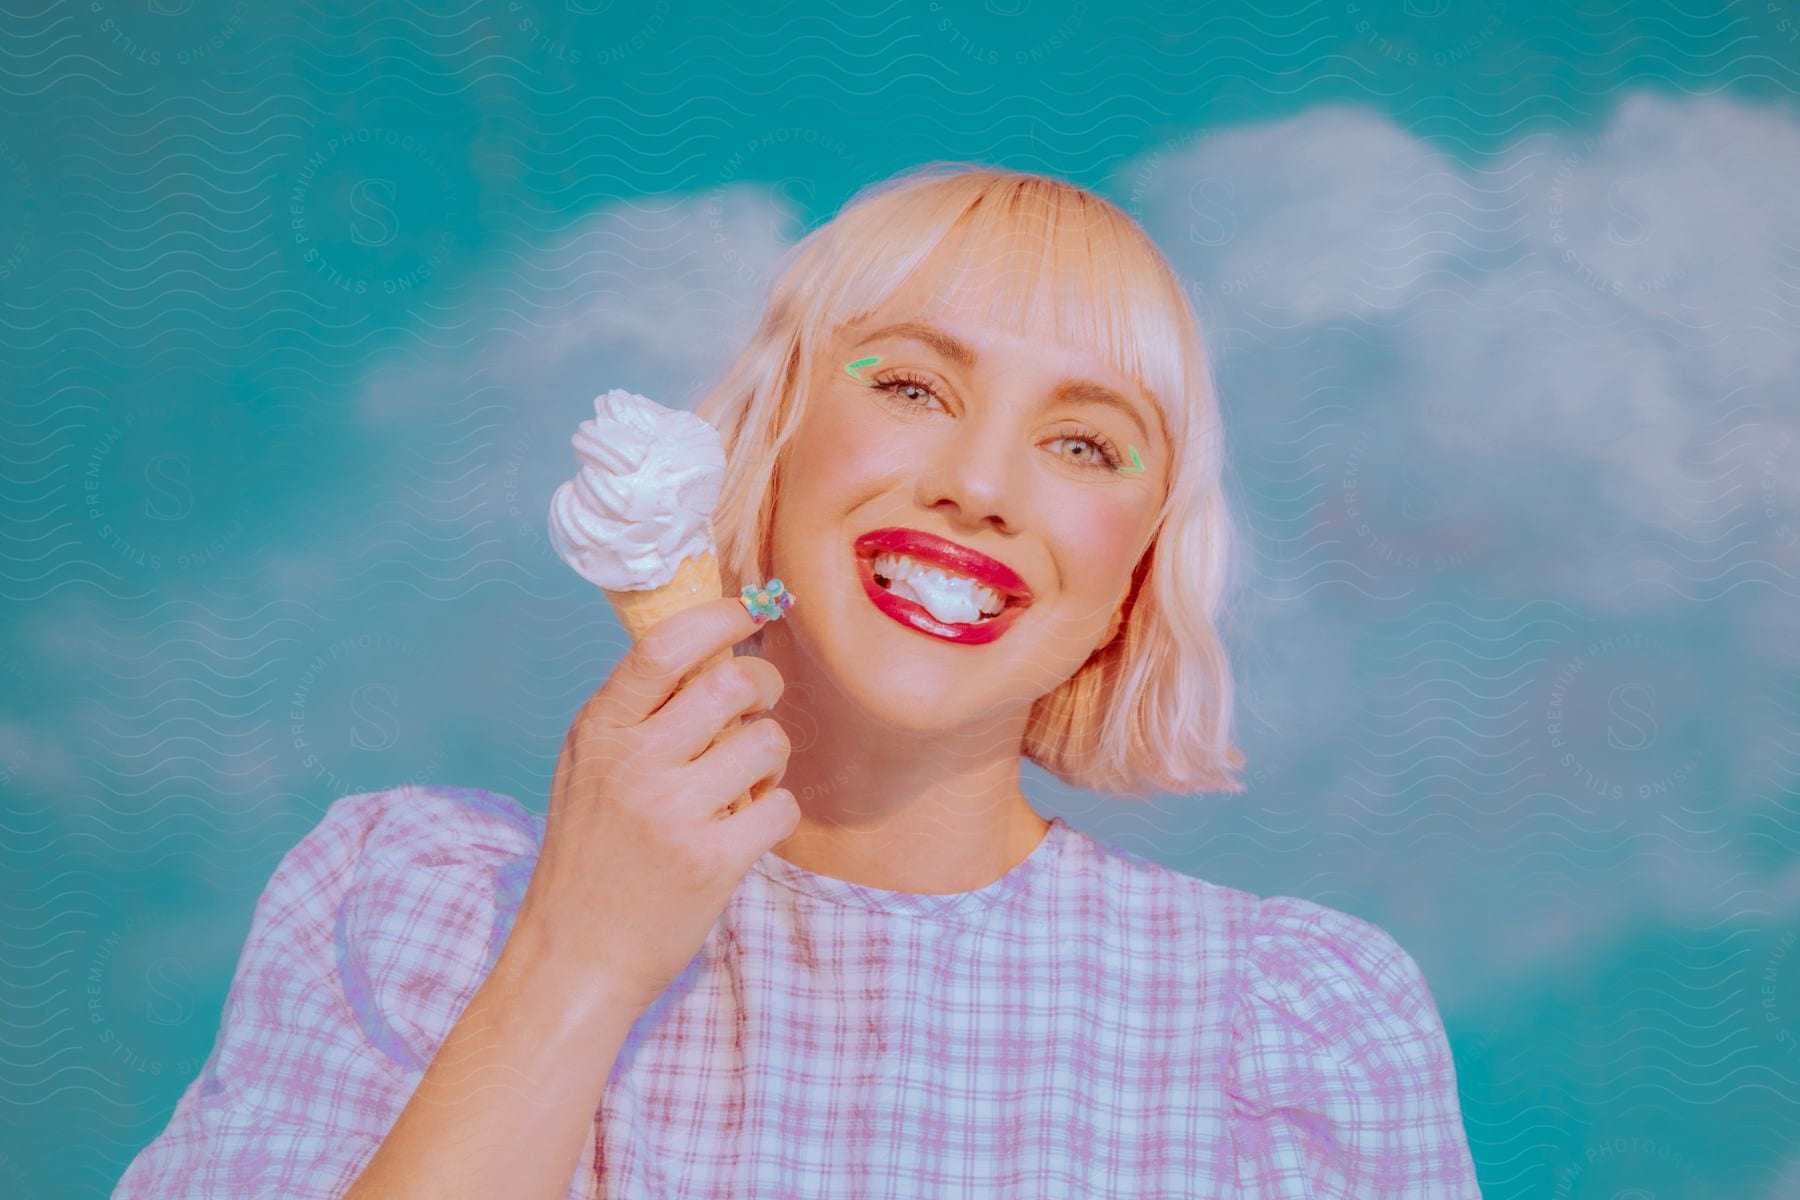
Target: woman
<point>887,976</point>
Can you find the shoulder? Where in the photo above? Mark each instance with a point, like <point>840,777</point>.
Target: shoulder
<point>418,824</point>
<point>377,845</point>
<point>1299,952</point>
<point>1277,948</point>
<point>1319,990</point>
<point>1138,888</point>
<point>404,862</point>
<point>1333,1029</point>
<point>386,917</point>
<point>1337,1072</point>
<point>367,942</point>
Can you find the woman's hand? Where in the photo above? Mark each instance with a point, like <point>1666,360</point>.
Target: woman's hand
<point>637,862</point>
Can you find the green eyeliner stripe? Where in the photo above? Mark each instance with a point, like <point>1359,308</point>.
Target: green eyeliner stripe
<point>850,368</point>
<point>1137,464</point>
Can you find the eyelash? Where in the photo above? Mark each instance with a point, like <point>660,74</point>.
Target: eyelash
<point>1109,453</point>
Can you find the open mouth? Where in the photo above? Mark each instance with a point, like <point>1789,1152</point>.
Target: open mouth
<point>901,588</point>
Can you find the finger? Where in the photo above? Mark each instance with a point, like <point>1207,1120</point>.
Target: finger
<point>707,704</point>
<point>655,664</point>
<point>740,760</point>
<point>759,826</point>
<point>760,789</point>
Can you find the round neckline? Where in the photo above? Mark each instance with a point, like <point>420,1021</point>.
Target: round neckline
<point>917,904</point>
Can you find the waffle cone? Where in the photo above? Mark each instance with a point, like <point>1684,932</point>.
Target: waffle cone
<point>696,581</point>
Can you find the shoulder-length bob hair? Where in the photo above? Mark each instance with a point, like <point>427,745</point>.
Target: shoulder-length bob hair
<point>1151,709</point>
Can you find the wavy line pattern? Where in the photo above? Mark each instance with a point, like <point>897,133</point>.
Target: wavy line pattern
<point>299,305</point>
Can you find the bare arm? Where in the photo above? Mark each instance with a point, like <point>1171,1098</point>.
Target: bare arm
<point>505,1103</point>
<point>640,857</point>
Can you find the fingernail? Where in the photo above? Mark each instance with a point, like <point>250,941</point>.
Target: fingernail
<point>768,602</point>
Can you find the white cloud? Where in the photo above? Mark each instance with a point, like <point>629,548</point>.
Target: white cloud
<point>1620,301</point>
<point>1785,1183</point>
<point>1581,352</point>
<point>1332,212</point>
<point>655,291</point>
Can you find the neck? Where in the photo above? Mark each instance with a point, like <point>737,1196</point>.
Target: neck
<point>932,811</point>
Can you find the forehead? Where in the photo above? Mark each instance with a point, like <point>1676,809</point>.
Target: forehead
<point>972,280</point>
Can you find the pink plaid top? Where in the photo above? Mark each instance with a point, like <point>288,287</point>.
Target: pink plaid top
<point>1091,1024</point>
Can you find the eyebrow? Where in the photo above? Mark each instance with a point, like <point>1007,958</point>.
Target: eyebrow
<point>1070,391</point>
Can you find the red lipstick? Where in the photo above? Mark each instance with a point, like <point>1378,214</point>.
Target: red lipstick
<point>917,616</point>
<point>928,547</point>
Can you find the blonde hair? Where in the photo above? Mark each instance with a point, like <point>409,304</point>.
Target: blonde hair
<point>1152,707</point>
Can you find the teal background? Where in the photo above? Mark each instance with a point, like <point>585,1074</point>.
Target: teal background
<point>299,306</point>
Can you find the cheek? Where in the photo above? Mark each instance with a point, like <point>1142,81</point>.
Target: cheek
<point>1094,538</point>
<point>832,450</point>
<point>826,474</point>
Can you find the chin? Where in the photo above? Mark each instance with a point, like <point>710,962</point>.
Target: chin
<point>907,681</point>
<point>917,696</point>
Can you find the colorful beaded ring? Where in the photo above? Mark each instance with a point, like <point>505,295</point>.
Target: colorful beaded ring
<point>768,602</point>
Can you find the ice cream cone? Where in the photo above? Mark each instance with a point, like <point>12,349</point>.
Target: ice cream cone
<point>696,581</point>
<point>636,521</point>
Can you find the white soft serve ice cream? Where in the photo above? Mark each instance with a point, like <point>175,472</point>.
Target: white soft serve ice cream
<point>645,495</point>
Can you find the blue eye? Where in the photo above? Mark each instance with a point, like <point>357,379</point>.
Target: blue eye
<point>895,385</point>
<point>1104,456</point>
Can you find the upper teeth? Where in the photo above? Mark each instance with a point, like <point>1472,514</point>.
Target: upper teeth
<point>894,567</point>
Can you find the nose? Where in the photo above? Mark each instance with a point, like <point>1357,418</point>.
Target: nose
<point>973,475</point>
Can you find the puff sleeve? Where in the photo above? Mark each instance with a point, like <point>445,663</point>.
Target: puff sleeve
<point>366,945</point>
<point>1340,1080</point>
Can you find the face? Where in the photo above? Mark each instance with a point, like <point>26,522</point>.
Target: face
<point>975,440</point>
